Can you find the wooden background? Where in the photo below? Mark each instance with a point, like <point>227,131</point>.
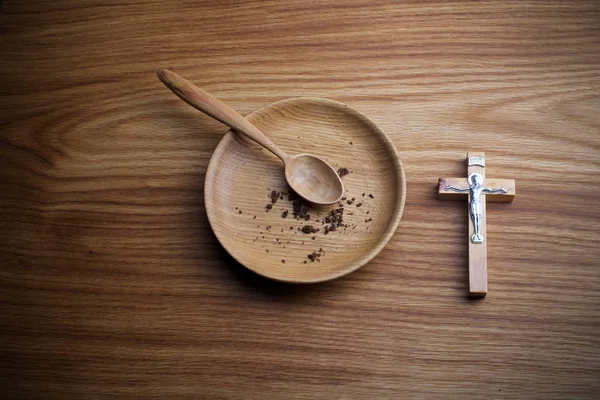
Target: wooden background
<point>113,286</point>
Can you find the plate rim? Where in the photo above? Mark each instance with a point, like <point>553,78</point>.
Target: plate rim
<point>392,226</point>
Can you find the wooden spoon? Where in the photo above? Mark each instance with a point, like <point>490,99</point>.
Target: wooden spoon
<point>308,175</point>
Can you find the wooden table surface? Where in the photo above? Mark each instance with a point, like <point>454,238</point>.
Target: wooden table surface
<point>113,285</point>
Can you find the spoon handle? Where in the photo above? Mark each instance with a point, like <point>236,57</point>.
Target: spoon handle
<point>215,108</point>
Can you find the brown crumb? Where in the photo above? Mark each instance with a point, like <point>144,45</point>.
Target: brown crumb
<point>239,212</point>
<point>309,229</point>
<point>254,217</point>
<point>300,209</point>
<point>267,250</point>
<point>371,195</point>
<point>335,217</point>
<point>315,256</point>
<point>305,261</point>
<point>363,195</point>
<point>368,212</point>
<point>351,144</point>
<point>283,261</point>
<point>343,172</point>
<point>369,220</point>
<point>274,196</point>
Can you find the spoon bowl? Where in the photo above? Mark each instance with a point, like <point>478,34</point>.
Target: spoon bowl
<point>313,179</point>
<point>309,176</point>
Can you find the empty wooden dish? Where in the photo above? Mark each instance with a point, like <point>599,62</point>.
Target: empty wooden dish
<point>242,175</point>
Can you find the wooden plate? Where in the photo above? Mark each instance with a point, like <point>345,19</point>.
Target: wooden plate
<point>241,176</point>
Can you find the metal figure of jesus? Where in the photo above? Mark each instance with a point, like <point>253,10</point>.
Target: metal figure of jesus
<point>476,190</point>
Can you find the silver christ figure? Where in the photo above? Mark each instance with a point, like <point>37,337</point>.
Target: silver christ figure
<point>475,191</point>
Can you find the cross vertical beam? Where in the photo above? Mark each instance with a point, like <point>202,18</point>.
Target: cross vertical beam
<point>477,251</point>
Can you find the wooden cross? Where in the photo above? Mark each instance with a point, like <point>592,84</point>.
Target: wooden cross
<point>478,188</point>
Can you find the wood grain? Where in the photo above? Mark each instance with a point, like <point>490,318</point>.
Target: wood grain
<point>113,286</point>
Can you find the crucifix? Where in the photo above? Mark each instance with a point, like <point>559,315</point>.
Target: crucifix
<point>478,188</point>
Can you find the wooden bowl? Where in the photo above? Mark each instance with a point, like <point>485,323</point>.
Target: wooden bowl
<point>241,176</point>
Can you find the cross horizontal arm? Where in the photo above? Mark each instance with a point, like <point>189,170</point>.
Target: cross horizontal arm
<point>508,184</point>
